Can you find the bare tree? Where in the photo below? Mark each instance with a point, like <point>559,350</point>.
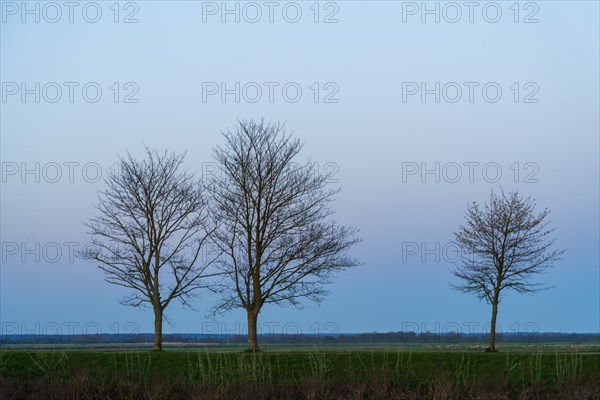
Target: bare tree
<point>149,231</point>
<point>503,246</point>
<point>274,230</point>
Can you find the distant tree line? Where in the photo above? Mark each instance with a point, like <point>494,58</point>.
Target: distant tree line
<point>373,337</point>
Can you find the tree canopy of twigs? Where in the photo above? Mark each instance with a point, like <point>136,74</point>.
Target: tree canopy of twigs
<point>148,233</point>
<point>504,245</point>
<point>278,241</point>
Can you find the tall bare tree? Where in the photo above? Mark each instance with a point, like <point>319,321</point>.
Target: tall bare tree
<point>149,231</point>
<point>278,241</point>
<point>503,246</point>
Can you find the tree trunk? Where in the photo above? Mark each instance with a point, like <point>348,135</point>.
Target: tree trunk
<point>252,335</point>
<point>158,319</point>
<point>493,323</point>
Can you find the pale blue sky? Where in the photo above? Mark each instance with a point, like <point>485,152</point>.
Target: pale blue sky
<point>369,133</point>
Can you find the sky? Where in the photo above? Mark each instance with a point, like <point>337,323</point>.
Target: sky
<point>418,108</point>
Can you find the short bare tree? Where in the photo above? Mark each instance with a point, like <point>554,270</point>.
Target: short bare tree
<point>149,231</point>
<point>278,242</point>
<point>503,246</point>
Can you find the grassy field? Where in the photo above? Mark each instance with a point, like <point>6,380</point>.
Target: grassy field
<point>563,371</point>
